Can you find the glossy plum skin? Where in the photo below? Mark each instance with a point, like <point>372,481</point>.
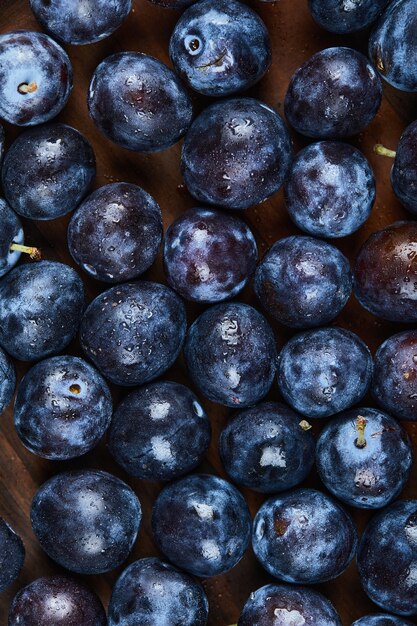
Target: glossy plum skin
<point>209,255</point>
<point>367,477</point>
<point>63,407</point>
<point>1,143</point>
<point>324,371</point>
<point>79,22</point>
<point>385,273</point>
<point>330,189</point>
<point>220,47</point>
<point>282,605</point>
<point>334,94</point>
<point>237,153</point>
<point>116,232</point>
<point>12,555</point>
<point>34,59</point>
<point>381,619</point>
<point>86,520</point>
<point>230,354</point>
<point>134,332</point>
<point>202,524</point>
<point>7,380</point>
<point>159,432</point>
<point>346,16</point>
<point>152,593</point>
<point>265,448</point>
<point>394,384</point>
<point>404,169</point>
<point>393,46</point>
<point>56,601</point>
<point>47,171</point>
<point>40,309</point>
<point>303,282</point>
<point>11,232</point>
<point>138,102</point>
<point>386,558</point>
<point>303,536</point>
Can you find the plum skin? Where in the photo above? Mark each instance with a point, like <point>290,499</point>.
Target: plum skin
<point>63,407</point>
<point>209,255</point>
<point>221,56</point>
<point>236,153</point>
<point>230,354</point>
<point>266,449</point>
<point>202,524</point>
<point>86,520</point>
<point>159,432</point>
<point>12,555</point>
<point>369,477</point>
<point>134,332</point>
<point>151,592</point>
<point>47,171</point>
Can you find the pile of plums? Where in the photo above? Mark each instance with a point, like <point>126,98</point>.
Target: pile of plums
<point>236,153</point>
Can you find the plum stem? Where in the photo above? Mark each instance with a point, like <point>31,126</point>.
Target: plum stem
<point>27,87</point>
<point>360,427</point>
<point>304,425</point>
<point>34,253</point>
<point>383,151</point>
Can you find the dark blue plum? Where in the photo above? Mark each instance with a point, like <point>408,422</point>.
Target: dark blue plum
<point>303,536</point>
<point>237,153</point>
<point>346,16</point>
<point>35,78</point>
<point>63,408</point>
<point>11,232</point>
<point>220,47</point>
<point>330,189</point>
<point>138,102</point>
<point>7,380</point>
<point>56,601</point>
<point>303,282</point>
<point>321,372</point>
<point>202,524</point>
<point>282,605</point>
<point>80,21</point>
<point>393,45</point>
<point>47,171</point>
<point>385,273</point>
<point>134,332</point>
<point>152,593</point>
<point>86,520</point>
<point>12,555</point>
<point>159,432</point>
<point>364,458</point>
<point>267,448</point>
<point>394,384</point>
<point>209,255</point>
<point>334,94</point>
<point>404,169</point>
<point>41,305</point>
<point>116,232</point>
<point>387,558</point>
<point>381,619</point>
<point>230,354</point>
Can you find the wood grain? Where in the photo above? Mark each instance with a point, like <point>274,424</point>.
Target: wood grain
<point>294,37</point>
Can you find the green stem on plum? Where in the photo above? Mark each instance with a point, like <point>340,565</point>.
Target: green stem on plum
<point>360,427</point>
<point>25,88</point>
<point>304,425</point>
<point>34,253</point>
<point>383,151</point>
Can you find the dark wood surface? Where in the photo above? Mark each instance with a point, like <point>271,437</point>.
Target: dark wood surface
<point>295,37</point>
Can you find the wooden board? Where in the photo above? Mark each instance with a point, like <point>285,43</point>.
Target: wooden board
<point>294,37</point>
